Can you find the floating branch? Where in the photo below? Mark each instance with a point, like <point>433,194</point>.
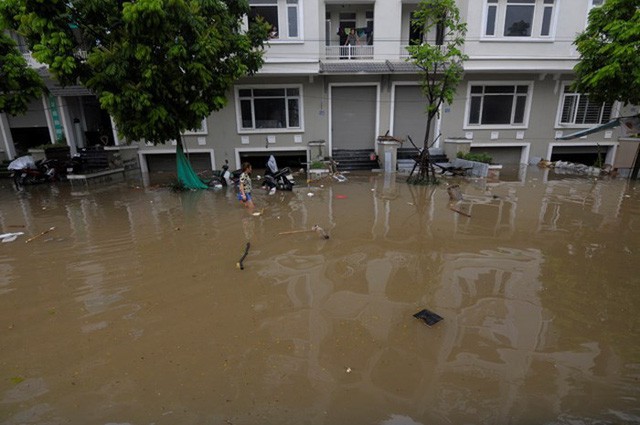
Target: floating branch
<point>460,212</point>
<point>291,232</point>
<point>246,251</point>
<point>40,234</point>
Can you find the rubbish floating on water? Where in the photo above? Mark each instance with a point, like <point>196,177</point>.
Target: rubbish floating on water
<point>340,178</point>
<point>246,251</point>
<point>429,317</point>
<point>454,193</point>
<point>320,231</point>
<point>258,213</point>
<point>10,237</point>
<point>315,228</point>
<point>348,370</point>
<point>459,212</point>
<point>40,234</point>
<point>309,194</point>
<point>341,196</point>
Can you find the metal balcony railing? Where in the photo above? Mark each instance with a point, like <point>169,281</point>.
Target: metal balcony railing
<point>349,52</point>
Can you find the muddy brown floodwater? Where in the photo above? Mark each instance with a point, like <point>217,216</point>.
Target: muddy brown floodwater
<point>133,311</point>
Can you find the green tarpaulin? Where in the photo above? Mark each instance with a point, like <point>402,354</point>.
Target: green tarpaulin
<point>186,175</point>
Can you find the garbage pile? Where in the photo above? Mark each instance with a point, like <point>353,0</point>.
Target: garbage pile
<point>566,167</point>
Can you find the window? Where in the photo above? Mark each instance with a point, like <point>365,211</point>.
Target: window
<point>200,130</point>
<point>577,109</point>
<point>495,104</point>
<point>292,18</point>
<point>282,15</point>
<point>269,108</point>
<point>519,18</point>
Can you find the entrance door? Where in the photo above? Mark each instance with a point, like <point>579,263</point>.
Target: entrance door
<point>409,117</point>
<point>353,117</point>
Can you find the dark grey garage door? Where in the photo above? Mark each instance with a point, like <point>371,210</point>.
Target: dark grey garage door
<point>505,155</point>
<point>353,117</point>
<point>409,116</point>
<point>167,162</point>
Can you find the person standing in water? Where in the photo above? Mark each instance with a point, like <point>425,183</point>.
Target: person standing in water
<point>244,192</point>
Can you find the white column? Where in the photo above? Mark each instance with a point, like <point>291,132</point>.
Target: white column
<point>47,113</point>
<point>114,130</point>
<point>5,136</point>
<point>67,125</point>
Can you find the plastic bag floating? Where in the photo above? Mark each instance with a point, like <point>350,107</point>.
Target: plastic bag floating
<point>429,317</point>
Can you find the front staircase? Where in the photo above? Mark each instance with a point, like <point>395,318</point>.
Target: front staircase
<point>354,160</point>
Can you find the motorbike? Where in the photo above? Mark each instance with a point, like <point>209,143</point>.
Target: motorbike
<point>226,177</point>
<point>24,170</point>
<point>277,179</point>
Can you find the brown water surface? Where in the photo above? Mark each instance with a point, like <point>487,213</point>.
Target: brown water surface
<point>133,311</point>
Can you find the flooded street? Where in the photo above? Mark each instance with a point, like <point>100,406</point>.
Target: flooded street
<point>132,310</point>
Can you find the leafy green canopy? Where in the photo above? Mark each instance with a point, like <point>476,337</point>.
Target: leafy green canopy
<point>19,83</point>
<point>440,60</point>
<point>157,66</point>
<point>609,67</point>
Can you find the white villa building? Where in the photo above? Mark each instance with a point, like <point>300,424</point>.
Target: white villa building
<point>514,102</point>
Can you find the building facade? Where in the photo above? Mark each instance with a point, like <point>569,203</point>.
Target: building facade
<point>513,103</point>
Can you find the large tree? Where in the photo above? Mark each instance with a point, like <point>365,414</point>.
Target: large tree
<point>609,66</point>
<point>19,84</point>
<point>158,67</point>
<point>440,60</point>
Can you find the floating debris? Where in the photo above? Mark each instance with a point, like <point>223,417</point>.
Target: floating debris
<point>246,251</point>
<point>429,317</point>
<point>320,231</point>
<point>10,237</point>
<point>40,234</point>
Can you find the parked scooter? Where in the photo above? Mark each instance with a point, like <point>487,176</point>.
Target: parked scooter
<point>277,179</point>
<point>24,170</point>
<point>226,177</point>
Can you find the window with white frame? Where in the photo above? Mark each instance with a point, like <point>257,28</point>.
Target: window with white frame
<point>282,15</point>
<point>202,129</point>
<point>576,109</point>
<point>498,104</point>
<point>269,108</point>
<point>519,18</point>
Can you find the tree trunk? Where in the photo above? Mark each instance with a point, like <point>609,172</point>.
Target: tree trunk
<point>426,170</point>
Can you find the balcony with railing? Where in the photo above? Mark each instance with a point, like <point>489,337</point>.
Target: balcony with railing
<point>349,52</point>
<point>349,31</point>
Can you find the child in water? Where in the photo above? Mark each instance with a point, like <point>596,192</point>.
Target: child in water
<point>244,193</point>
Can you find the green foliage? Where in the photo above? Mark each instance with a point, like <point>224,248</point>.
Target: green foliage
<point>478,157</point>
<point>19,83</point>
<point>440,60</point>
<point>441,64</point>
<point>317,165</point>
<point>609,67</point>
<point>158,67</point>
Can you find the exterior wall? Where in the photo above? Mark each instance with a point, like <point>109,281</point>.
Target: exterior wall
<point>543,62</point>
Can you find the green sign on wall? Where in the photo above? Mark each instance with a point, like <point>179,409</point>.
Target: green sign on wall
<point>55,116</point>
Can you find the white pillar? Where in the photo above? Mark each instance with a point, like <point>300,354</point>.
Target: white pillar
<point>50,124</point>
<point>5,136</point>
<point>67,125</point>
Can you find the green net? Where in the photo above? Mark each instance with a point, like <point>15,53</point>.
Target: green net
<point>186,175</point>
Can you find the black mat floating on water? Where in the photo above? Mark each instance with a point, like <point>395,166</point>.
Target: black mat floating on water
<point>429,317</point>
